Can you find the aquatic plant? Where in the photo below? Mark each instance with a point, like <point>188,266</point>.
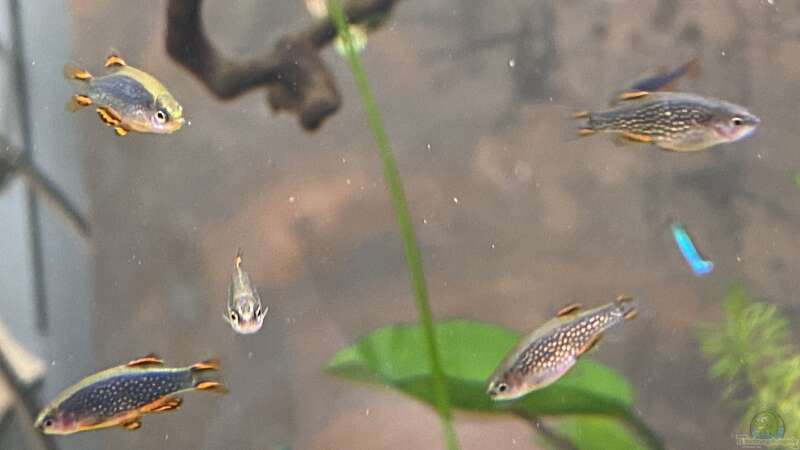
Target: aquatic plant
<point>413,260</point>
<point>751,353</point>
<point>446,364</point>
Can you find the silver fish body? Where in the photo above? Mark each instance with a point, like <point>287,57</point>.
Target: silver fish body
<point>548,353</point>
<point>672,120</point>
<point>244,311</point>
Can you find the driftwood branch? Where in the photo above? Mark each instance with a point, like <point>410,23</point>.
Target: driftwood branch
<point>293,73</point>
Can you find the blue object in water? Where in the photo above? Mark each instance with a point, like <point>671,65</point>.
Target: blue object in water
<point>699,266</point>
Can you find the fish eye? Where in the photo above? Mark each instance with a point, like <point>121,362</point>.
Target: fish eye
<point>161,116</point>
<point>258,311</point>
<point>48,423</point>
<point>234,317</point>
<point>502,387</point>
<point>737,121</point>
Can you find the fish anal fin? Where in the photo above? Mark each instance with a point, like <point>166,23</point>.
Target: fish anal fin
<point>209,364</point>
<point>73,72</point>
<point>569,309</point>
<point>632,95</point>
<point>583,132</point>
<point>635,137</point>
<point>580,115</point>
<point>114,59</point>
<point>108,116</point>
<point>120,131</point>
<point>164,404</point>
<point>589,345</point>
<point>150,359</point>
<point>214,386</point>
<point>77,102</point>
<point>132,426</point>
<point>238,259</point>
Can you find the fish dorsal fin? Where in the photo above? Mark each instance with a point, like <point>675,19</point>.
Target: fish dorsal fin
<point>114,60</point>
<point>632,95</point>
<point>148,360</point>
<point>569,309</point>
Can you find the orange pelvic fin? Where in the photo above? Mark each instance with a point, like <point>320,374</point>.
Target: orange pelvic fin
<point>163,404</point>
<point>209,364</point>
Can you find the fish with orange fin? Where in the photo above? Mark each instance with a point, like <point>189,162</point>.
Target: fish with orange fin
<point>673,121</point>
<point>126,98</point>
<point>550,351</point>
<point>121,395</point>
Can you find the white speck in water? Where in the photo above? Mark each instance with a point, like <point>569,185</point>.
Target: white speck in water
<point>758,155</point>
<point>425,221</point>
<point>33,63</point>
<point>738,259</point>
<point>291,199</point>
<point>249,355</point>
<point>722,53</point>
<point>344,160</point>
<point>511,62</point>
<point>428,146</point>
<point>493,246</point>
<point>166,437</point>
<point>771,2</point>
<point>455,199</point>
<point>513,441</point>
<point>348,181</point>
<point>53,363</point>
<point>366,412</point>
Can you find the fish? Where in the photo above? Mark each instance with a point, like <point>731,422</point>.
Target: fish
<point>674,121</point>
<point>121,395</point>
<point>244,311</point>
<point>126,98</point>
<point>549,352</point>
<point>700,266</point>
<point>661,81</point>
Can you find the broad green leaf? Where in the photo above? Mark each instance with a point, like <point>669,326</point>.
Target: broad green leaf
<point>395,356</point>
<point>597,433</point>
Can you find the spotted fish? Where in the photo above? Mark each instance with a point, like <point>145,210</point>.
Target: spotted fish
<point>126,98</point>
<point>671,120</point>
<point>548,353</point>
<point>121,395</point>
<point>243,311</point>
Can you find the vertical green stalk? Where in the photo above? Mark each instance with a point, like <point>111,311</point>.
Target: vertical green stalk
<point>413,260</point>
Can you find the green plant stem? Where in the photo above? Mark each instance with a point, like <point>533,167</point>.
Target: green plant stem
<point>410,248</point>
<point>645,433</point>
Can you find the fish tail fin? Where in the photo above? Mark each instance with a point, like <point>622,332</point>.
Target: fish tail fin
<point>208,364</point>
<point>585,126</point>
<point>627,306</point>
<point>74,72</point>
<point>204,377</point>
